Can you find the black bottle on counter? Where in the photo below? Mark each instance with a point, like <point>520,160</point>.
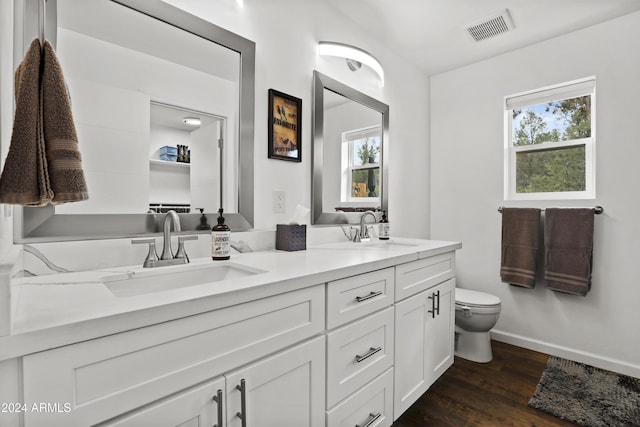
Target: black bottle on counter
<point>220,240</point>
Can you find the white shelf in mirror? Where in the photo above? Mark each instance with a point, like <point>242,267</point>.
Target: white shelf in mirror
<point>169,163</point>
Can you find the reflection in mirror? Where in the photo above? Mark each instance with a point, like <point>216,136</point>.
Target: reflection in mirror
<point>350,137</point>
<point>131,86</point>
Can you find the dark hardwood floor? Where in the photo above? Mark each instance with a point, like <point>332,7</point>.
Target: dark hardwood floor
<point>492,395</point>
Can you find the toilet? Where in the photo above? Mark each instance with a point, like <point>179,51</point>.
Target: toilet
<point>476,313</point>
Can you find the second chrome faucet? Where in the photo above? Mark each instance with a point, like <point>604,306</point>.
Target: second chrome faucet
<point>167,257</point>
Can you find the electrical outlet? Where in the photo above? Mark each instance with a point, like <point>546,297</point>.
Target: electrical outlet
<point>279,201</point>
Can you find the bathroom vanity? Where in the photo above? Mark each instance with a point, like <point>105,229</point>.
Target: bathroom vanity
<point>339,334</point>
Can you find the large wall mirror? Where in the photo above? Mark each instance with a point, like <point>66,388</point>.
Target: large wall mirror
<point>350,137</point>
<point>163,103</point>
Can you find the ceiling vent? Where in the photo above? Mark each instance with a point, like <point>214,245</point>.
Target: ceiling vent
<point>491,26</point>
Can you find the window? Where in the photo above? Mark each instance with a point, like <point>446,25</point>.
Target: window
<point>550,143</point>
<point>361,165</point>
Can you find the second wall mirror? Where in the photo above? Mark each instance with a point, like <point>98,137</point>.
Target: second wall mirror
<point>350,142</point>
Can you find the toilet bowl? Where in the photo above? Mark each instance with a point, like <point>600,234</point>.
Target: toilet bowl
<point>476,313</point>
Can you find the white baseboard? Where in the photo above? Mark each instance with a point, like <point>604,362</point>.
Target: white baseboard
<point>598,361</point>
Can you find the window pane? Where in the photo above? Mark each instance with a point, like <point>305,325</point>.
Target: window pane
<point>553,121</point>
<point>366,150</point>
<point>544,171</point>
<point>365,182</point>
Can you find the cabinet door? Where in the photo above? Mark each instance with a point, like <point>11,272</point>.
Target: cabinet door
<point>196,407</point>
<point>440,330</point>
<point>410,353</point>
<point>424,342</point>
<point>284,390</point>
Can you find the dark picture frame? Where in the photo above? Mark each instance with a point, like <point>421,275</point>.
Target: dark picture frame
<point>285,130</point>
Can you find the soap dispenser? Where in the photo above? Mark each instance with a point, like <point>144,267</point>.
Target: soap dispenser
<point>204,225</point>
<point>384,227</point>
<point>220,240</point>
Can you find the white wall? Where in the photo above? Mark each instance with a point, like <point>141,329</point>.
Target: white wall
<point>286,34</point>
<point>467,183</point>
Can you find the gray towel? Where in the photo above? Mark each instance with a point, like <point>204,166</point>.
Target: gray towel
<point>568,238</point>
<point>25,179</point>
<point>63,157</point>
<point>520,242</point>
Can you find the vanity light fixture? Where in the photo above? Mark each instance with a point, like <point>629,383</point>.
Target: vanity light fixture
<point>240,3</point>
<point>353,55</point>
<point>191,121</point>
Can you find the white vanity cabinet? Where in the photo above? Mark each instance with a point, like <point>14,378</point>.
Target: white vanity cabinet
<point>356,351</point>
<point>101,379</point>
<point>424,325</point>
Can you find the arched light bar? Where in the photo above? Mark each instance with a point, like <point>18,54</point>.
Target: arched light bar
<point>351,52</point>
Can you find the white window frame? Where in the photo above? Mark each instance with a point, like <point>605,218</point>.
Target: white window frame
<point>568,90</point>
<point>347,164</point>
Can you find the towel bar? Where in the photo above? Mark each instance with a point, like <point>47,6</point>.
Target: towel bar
<point>596,209</point>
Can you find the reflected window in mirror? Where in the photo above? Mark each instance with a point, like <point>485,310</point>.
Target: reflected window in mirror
<point>361,165</point>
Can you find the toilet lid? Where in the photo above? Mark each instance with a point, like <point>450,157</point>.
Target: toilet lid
<point>475,298</point>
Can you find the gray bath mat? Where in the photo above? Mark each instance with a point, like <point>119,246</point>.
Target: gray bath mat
<point>587,396</point>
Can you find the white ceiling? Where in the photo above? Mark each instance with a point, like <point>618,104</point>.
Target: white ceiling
<point>432,33</point>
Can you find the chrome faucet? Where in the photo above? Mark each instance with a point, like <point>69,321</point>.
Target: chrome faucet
<point>167,257</point>
<point>171,218</point>
<point>363,236</point>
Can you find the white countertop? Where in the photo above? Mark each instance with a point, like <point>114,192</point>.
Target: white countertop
<point>61,309</point>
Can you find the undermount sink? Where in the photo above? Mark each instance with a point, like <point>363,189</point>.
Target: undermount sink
<point>167,278</point>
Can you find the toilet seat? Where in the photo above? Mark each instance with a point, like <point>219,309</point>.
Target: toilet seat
<point>476,302</point>
<point>475,298</point>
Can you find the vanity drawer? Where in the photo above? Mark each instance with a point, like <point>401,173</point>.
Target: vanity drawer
<point>105,377</point>
<point>371,404</point>
<point>416,276</point>
<point>357,353</point>
<point>357,296</point>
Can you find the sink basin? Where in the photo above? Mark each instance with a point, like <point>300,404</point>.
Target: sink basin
<point>165,278</point>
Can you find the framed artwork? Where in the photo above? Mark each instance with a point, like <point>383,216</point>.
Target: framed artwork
<point>285,134</point>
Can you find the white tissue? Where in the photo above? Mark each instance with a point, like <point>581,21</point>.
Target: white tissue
<point>299,215</point>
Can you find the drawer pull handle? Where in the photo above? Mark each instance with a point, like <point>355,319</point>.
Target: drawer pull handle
<point>218,400</point>
<point>369,353</point>
<point>372,419</point>
<point>371,295</point>
<point>243,402</point>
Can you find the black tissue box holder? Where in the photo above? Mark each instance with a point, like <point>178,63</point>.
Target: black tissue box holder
<point>291,237</point>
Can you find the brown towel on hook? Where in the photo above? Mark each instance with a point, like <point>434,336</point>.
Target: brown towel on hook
<point>568,237</point>
<point>520,242</point>
<point>25,179</point>
<point>61,141</point>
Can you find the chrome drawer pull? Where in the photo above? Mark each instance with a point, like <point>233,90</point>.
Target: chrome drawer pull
<point>243,403</point>
<point>370,353</point>
<point>371,295</point>
<point>218,400</point>
<point>372,419</point>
